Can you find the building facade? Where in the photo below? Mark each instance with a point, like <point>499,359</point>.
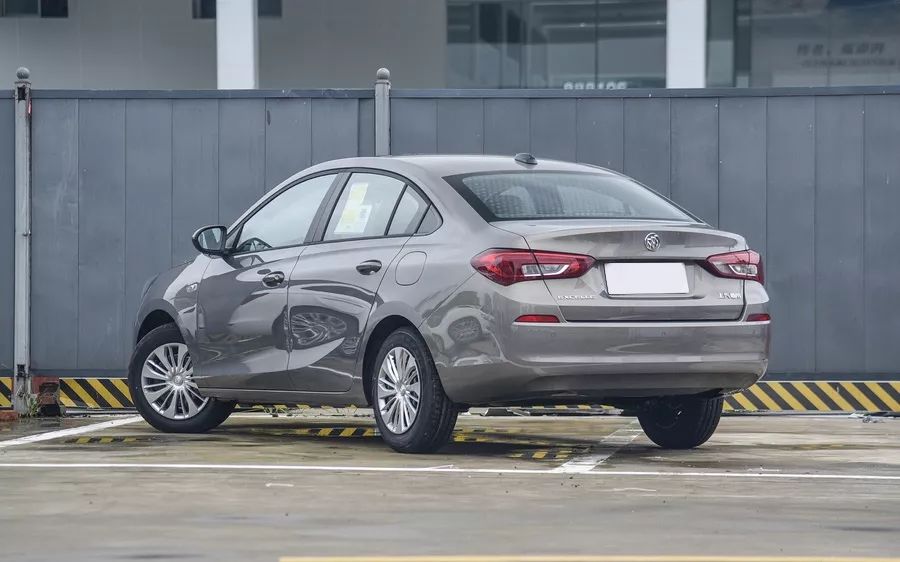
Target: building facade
<point>568,44</point>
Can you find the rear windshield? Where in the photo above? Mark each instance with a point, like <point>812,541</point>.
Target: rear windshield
<point>562,195</point>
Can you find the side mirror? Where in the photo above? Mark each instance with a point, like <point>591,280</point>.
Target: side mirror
<point>210,240</point>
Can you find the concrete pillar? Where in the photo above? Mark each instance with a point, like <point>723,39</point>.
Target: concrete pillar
<point>383,112</point>
<point>686,43</point>
<point>237,49</point>
<point>22,397</point>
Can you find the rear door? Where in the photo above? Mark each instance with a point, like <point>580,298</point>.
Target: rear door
<point>242,297</point>
<point>334,285</point>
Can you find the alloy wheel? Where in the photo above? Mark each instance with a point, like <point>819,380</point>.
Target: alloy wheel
<point>399,390</point>
<point>167,380</point>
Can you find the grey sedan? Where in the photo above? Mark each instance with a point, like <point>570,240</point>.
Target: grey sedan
<point>424,285</point>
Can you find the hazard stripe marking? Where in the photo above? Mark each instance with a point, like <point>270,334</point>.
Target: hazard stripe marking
<point>766,396</point>
<point>5,392</point>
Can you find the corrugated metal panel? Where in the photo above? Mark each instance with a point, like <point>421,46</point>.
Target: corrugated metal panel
<point>7,233</point>
<point>839,257</point>
<point>54,242</point>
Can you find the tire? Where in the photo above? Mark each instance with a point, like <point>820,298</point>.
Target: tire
<point>435,415</point>
<point>681,422</point>
<point>210,414</point>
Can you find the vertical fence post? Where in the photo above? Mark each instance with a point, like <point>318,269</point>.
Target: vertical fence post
<point>383,112</point>
<point>22,398</point>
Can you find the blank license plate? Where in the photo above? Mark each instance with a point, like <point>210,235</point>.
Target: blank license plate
<point>646,278</point>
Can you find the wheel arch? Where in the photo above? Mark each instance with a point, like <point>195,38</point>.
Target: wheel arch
<point>154,319</point>
<point>382,329</point>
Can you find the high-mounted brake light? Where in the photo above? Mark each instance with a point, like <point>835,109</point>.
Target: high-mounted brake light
<point>512,266</point>
<point>745,264</point>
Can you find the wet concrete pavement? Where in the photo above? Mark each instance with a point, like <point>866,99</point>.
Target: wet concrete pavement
<point>260,488</point>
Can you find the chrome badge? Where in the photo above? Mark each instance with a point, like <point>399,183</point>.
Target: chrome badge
<point>652,242</point>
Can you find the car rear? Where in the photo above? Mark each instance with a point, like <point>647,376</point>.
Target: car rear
<point>612,293</point>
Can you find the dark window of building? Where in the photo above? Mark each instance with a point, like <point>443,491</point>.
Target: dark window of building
<point>573,44</point>
<point>206,9</point>
<point>41,8</point>
<point>770,43</point>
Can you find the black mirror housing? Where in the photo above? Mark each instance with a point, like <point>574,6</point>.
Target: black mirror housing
<point>210,240</point>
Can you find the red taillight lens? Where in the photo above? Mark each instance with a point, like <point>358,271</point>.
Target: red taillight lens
<point>511,266</point>
<point>538,319</point>
<point>745,264</point>
<point>759,317</point>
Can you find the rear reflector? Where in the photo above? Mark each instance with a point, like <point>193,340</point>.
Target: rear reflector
<point>506,267</point>
<point>759,317</point>
<point>538,319</point>
<point>745,264</point>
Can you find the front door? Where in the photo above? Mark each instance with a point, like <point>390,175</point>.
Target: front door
<point>334,285</point>
<point>242,298</point>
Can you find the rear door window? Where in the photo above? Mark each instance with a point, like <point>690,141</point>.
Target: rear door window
<point>364,208</point>
<point>409,213</point>
<point>562,195</point>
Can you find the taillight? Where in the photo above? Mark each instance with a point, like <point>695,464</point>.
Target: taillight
<point>538,319</point>
<point>745,264</point>
<point>511,266</point>
<point>759,317</point>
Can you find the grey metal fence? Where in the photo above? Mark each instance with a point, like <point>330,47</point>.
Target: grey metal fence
<point>810,177</point>
<point>121,179</point>
<point>7,230</point>
<point>121,182</point>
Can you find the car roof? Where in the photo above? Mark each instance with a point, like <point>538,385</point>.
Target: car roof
<point>452,164</point>
<point>442,165</point>
<point>432,167</point>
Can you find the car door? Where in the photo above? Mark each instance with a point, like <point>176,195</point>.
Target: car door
<point>334,285</point>
<point>242,297</point>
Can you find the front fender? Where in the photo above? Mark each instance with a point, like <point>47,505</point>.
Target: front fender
<point>175,292</point>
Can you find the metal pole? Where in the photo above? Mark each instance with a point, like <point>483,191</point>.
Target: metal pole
<point>383,112</point>
<point>23,398</point>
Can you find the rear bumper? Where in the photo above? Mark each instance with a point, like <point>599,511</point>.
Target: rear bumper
<point>568,362</point>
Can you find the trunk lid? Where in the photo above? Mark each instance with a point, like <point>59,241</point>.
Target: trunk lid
<point>631,283</point>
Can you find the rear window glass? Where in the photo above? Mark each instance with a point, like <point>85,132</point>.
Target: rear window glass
<point>562,195</point>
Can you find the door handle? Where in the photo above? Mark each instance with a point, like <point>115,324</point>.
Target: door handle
<point>368,267</point>
<point>273,279</point>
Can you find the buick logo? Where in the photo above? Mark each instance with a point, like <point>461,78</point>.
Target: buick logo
<point>651,241</point>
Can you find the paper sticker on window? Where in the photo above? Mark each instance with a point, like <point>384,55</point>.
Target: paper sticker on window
<point>355,216</point>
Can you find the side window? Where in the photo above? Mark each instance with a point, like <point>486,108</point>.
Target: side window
<point>286,219</point>
<point>430,222</point>
<point>408,214</point>
<point>364,207</point>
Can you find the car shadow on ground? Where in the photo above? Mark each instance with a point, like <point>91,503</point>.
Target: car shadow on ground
<point>479,441</point>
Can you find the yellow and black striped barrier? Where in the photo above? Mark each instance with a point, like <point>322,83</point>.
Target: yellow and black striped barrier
<point>766,396</point>
<point>94,393</point>
<point>6,392</point>
<point>817,396</point>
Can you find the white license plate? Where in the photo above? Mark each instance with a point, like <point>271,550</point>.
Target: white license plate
<point>637,278</point>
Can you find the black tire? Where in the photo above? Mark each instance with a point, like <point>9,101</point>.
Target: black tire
<point>436,415</point>
<point>681,422</point>
<point>211,415</point>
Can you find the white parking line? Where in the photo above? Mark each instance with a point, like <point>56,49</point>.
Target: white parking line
<point>47,436</point>
<point>453,470</point>
<point>616,440</point>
